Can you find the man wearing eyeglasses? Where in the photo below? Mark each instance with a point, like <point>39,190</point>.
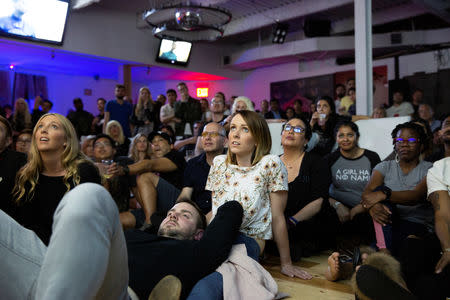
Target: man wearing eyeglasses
<point>213,141</point>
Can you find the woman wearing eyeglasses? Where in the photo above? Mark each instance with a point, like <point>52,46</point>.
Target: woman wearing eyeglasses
<point>307,208</point>
<point>396,199</point>
<point>395,195</point>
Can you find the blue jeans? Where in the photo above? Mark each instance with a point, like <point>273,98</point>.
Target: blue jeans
<point>85,259</point>
<point>211,287</point>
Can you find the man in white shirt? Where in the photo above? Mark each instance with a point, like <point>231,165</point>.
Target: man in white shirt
<point>438,183</point>
<point>399,107</point>
<point>167,113</point>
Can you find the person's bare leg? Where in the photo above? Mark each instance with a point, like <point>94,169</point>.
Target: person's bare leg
<point>147,192</point>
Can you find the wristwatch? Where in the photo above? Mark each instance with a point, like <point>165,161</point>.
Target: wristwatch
<point>336,204</point>
<point>387,191</point>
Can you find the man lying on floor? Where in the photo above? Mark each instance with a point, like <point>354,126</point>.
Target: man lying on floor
<point>86,257</point>
<point>182,246</point>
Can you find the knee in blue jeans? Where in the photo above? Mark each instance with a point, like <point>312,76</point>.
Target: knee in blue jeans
<point>209,287</point>
<point>251,245</point>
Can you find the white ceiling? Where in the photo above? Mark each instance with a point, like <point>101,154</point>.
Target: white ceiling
<point>250,27</point>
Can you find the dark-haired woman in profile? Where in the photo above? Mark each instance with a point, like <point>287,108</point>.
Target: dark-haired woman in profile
<point>308,215</point>
<point>324,120</point>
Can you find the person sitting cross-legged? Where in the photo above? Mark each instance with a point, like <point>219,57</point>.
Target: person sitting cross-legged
<point>157,192</point>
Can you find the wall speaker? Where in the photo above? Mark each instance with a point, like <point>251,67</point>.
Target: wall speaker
<point>314,28</point>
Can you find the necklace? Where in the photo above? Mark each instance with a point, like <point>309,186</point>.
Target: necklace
<point>293,162</point>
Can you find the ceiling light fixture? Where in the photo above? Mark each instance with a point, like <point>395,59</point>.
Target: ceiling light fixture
<point>188,22</point>
<point>279,33</point>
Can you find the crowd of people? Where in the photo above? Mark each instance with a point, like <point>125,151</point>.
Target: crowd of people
<point>111,205</point>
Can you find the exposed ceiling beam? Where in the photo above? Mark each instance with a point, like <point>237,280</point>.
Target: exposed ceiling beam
<point>436,7</point>
<point>283,13</point>
<point>400,12</point>
<point>326,46</point>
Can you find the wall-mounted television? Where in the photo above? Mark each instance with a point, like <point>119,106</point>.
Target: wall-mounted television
<point>174,52</point>
<point>36,20</point>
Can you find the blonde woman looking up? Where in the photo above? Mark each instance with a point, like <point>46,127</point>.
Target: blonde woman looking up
<point>55,165</point>
<point>114,130</point>
<point>67,241</point>
<point>143,117</point>
<point>140,148</point>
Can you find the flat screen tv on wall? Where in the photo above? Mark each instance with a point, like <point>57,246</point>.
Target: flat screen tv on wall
<point>174,52</point>
<point>35,20</point>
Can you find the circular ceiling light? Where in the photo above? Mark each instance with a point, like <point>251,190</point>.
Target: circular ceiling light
<point>189,22</point>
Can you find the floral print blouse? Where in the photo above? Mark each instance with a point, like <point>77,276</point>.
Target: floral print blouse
<point>251,187</point>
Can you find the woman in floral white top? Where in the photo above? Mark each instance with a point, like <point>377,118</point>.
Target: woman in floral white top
<point>249,175</point>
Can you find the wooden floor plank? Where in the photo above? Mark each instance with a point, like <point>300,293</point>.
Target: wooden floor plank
<point>317,288</point>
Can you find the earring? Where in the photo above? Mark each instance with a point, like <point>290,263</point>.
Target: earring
<point>397,159</point>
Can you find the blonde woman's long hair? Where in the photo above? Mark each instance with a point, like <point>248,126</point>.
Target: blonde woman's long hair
<point>134,154</point>
<point>71,157</point>
<point>121,138</point>
<point>26,113</point>
<point>142,101</point>
<point>261,134</point>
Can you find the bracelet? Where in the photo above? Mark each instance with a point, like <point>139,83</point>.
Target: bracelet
<point>336,204</point>
<point>445,250</point>
<point>293,220</point>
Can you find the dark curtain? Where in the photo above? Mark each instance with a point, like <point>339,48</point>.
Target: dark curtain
<point>5,88</point>
<point>29,86</point>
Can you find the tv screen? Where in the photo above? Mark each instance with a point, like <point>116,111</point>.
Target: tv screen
<point>37,20</point>
<point>174,52</point>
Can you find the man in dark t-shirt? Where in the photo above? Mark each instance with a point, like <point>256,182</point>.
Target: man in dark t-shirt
<point>158,191</point>
<point>213,141</point>
<point>81,119</point>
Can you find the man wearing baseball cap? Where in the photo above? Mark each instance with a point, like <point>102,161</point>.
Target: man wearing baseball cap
<point>158,191</point>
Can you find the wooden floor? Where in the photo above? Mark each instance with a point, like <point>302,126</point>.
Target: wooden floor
<point>317,288</point>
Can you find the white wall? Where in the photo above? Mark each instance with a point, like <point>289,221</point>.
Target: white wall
<point>111,33</point>
<point>257,82</point>
<point>423,62</point>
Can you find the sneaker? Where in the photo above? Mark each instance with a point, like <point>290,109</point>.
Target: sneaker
<point>168,288</point>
